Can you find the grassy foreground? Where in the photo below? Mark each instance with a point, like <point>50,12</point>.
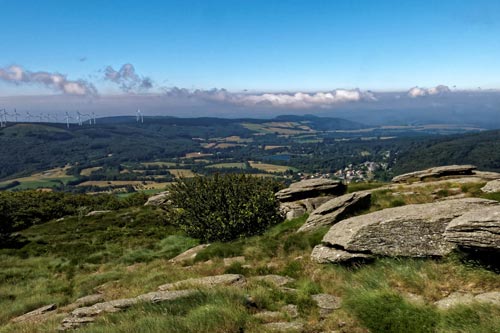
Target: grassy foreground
<point>125,253</point>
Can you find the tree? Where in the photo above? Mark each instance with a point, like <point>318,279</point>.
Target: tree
<point>224,207</point>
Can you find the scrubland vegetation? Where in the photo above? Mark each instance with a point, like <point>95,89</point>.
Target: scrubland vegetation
<point>126,252</point>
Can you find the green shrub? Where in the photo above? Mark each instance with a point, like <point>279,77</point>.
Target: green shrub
<point>387,312</point>
<point>224,207</point>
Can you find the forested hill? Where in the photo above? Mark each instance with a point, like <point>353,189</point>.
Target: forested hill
<point>480,149</point>
<point>29,147</point>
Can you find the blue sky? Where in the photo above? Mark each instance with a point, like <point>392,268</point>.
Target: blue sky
<point>259,45</point>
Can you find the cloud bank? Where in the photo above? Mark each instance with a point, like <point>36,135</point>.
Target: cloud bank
<point>284,100</point>
<point>17,75</point>
<point>127,78</point>
<point>420,92</point>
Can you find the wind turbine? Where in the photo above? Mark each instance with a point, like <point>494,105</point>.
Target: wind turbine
<point>79,118</point>
<point>5,114</point>
<point>67,117</point>
<point>139,116</point>
<point>3,118</point>
<point>28,116</point>
<point>16,115</point>
<point>40,117</point>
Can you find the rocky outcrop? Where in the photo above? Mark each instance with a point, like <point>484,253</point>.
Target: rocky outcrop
<point>492,186</point>
<point>205,282</point>
<point>476,229</point>
<point>336,209</point>
<point>310,188</point>
<point>436,172</point>
<point>159,199</point>
<point>298,208</point>
<point>412,230</point>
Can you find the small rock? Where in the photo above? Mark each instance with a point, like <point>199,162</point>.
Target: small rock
<point>98,212</point>
<point>327,303</point>
<point>75,322</point>
<point>159,199</point>
<point>285,327</point>
<point>189,254</point>
<point>291,310</point>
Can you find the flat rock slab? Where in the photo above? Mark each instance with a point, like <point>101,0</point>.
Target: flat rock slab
<point>336,209</point>
<point>412,230</point>
<point>311,188</point>
<point>492,186</point>
<point>35,315</point>
<point>436,172</point>
<point>327,255</point>
<point>207,281</point>
<point>85,315</point>
<point>476,229</point>
<point>189,254</point>
<point>327,303</point>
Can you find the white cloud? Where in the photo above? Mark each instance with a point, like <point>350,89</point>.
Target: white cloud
<point>18,75</point>
<point>291,100</point>
<point>127,78</point>
<point>419,92</point>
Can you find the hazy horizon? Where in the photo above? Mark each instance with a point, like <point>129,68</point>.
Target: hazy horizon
<point>259,58</point>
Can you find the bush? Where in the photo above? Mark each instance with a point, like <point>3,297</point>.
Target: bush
<point>386,312</point>
<point>224,207</point>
